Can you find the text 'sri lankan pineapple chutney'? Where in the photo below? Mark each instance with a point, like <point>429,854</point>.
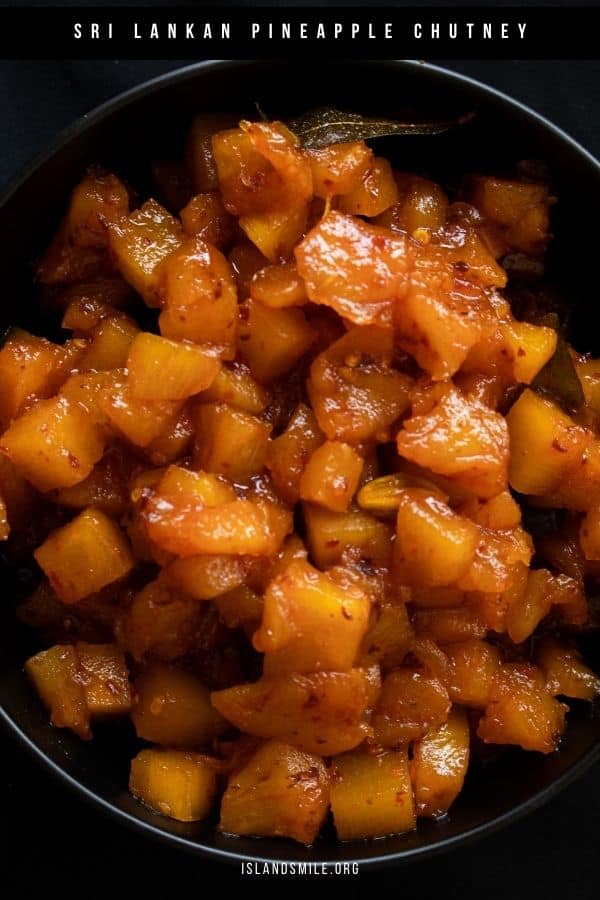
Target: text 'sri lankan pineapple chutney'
<point>274,479</point>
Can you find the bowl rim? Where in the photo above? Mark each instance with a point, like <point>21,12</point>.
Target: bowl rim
<point>155,831</point>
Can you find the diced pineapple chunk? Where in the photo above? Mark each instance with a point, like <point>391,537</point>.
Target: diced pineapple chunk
<point>320,713</point>
<point>200,297</point>
<point>140,242</point>
<point>280,792</point>
<point>544,444</point>
<point>309,623</point>
<point>273,340</point>
<point>104,677</point>
<point>331,476</point>
<point>229,442</point>
<point>54,444</point>
<point>84,556</point>
<point>439,765</point>
<point>54,674</point>
<point>173,709</point>
<point>371,795</point>
<point>434,546</point>
<point>160,369</point>
<point>176,783</point>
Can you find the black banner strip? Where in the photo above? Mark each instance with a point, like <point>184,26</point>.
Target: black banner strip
<point>262,32</point>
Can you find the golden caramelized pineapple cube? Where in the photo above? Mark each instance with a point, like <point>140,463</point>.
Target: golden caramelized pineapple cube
<point>530,348</point>
<point>411,702</point>
<point>280,792</point>
<point>339,168</point>
<point>160,369</point>
<point>140,421</point>
<point>84,556</point>
<point>472,667</point>
<point>247,181</point>
<point>519,208</point>
<point>53,445</point>
<point>389,636</point>
<point>371,794</point>
<point>105,488</point>
<point>276,234</point>
<point>239,528</point>
<point>579,489</point>
<point>475,443</point>
<point>331,476</point>
<point>33,368</point>
<point>441,318</point>
<point>204,216</point>
<point>565,672</point>
<point>439,765</point>
<point>173,709</point>
<point>104,677</point>
<point>355,393</point>
<point>330,534</point>
<point>355,268</point>
<point>200,297</point>
<point>310,623</point>
<point>195,513</point>
<point>421,204</point>
<point>173,444</point>
<point>499,513</point>
<point>161,622</point>
<point>140,242</point>
<point>449,625</point>
<point>54,674</point>
<point>522,711</point>
<point>79,247</point>
<point>235,386</point>
<point>176,783</point>
<point>434,545</point>
<point>320,713</point>
<point>542,591</point>
<point>87,309</point>
<point>272,341</point>
<point>229,441</point>
<point>288,453</point>
<point>84,389</point>
<point>278,286</point>
<point>81,682</point>
<point>260,168</point>
<point>375,193</point>
<point>109,344</point>
<point>499,561</point>
<point>545,444</point>
<point>206,577</point>
<point>203,488</point>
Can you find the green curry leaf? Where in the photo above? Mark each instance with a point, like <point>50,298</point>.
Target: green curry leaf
<point>321,127</point>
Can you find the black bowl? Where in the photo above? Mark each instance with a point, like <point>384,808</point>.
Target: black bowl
<point>150,122</point>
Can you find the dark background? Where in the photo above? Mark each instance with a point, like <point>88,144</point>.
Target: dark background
<point>53,841</point>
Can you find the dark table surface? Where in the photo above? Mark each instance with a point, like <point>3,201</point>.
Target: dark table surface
<point>52,838</point>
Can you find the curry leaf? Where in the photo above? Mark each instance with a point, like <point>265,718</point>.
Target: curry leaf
<point>559,376</point>
<point>321,127</point>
